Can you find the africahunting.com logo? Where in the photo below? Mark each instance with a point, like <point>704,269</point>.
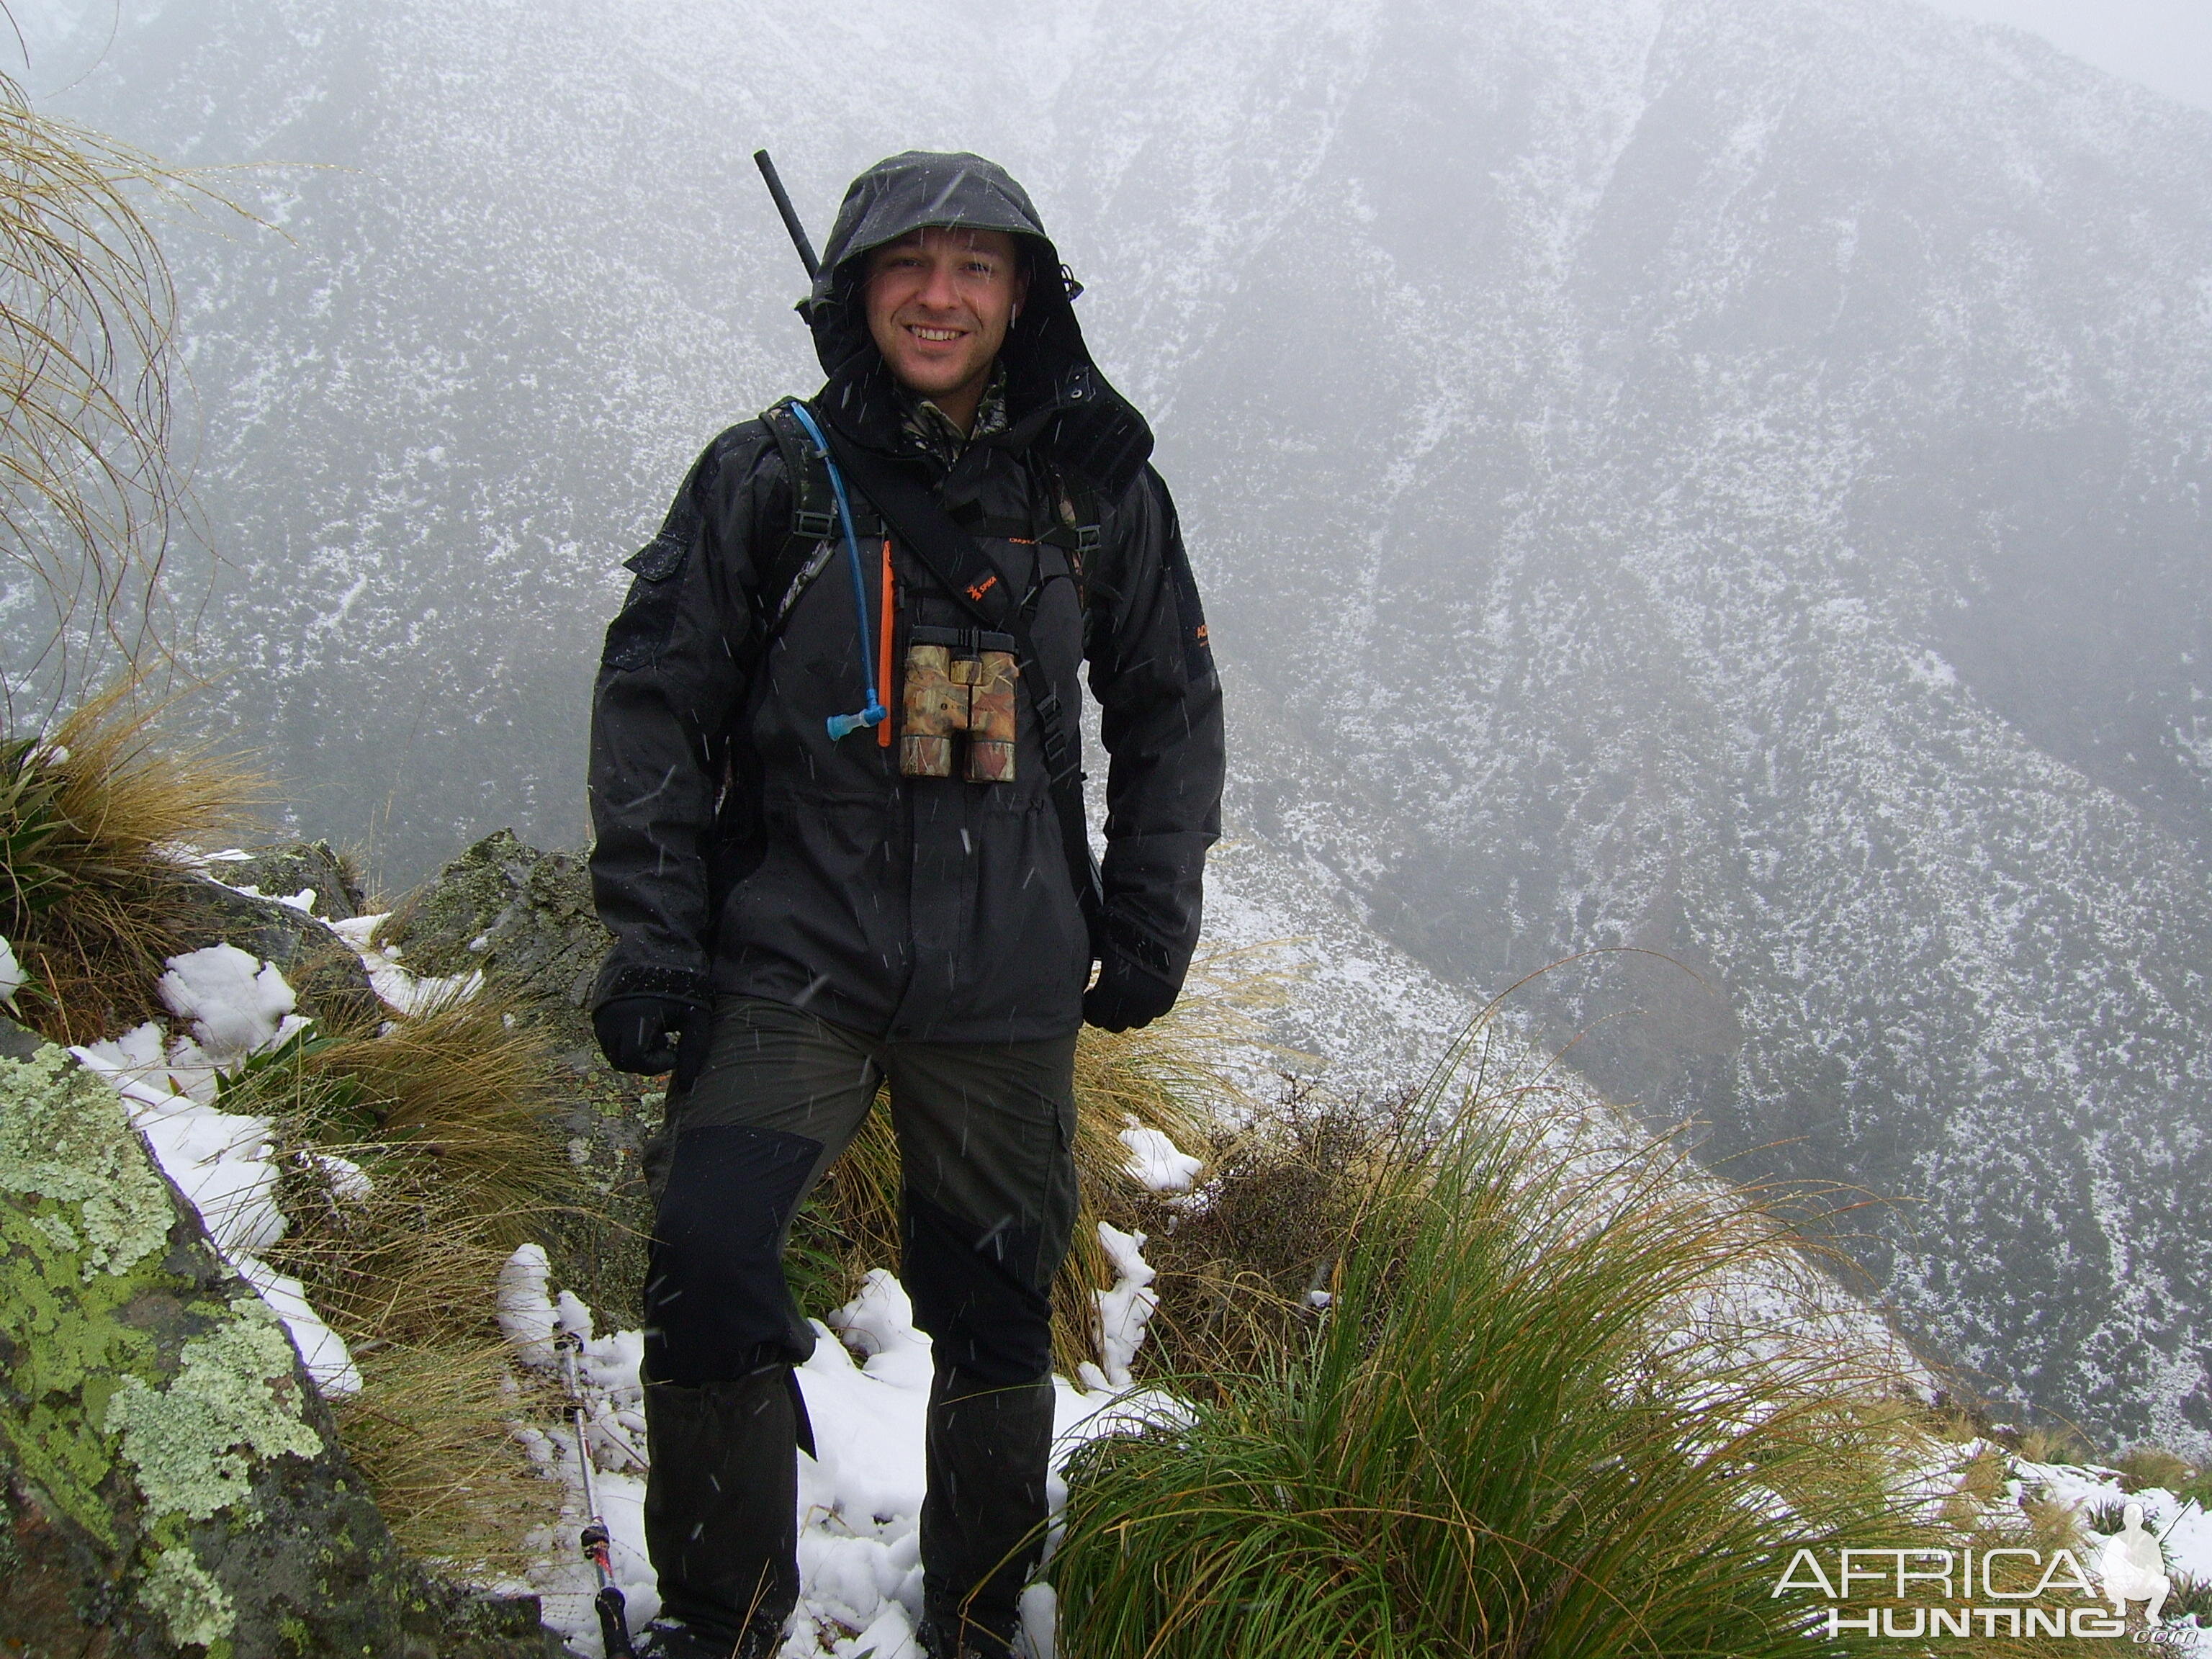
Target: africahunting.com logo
<point>1916,1595</point>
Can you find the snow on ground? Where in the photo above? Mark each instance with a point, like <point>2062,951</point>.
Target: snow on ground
<point>1157,1162</point>
<point>208,863</point>
<point>866,1389</point>
<point>12,976</point>
<point>235,1007</point>
<point>1124,1310</point>
<point>401,989</point>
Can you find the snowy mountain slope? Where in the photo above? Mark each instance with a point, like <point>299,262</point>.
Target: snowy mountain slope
<point>1770,535</point>
<point>1724,477</point>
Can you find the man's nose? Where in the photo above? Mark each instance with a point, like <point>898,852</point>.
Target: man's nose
<point>940,291</point>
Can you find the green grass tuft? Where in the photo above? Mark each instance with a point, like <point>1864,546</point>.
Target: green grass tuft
<point>1496,1442</point>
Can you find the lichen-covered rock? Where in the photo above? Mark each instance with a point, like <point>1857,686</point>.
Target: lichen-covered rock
<point>325,973</point>
<point>525,918</point>
<point>296,867</point>
<point>170,1482</point>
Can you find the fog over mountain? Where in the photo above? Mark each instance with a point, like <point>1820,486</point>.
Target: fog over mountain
<point>1725,478</point>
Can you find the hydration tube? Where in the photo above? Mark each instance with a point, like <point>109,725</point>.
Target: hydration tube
<point>874,714</point>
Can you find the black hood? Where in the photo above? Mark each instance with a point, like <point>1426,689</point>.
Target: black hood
<point>1056,399</point>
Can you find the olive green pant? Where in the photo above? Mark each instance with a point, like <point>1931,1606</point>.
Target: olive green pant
<point>986,1135</point>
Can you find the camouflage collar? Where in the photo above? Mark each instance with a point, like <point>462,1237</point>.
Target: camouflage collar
<point>933,431</point>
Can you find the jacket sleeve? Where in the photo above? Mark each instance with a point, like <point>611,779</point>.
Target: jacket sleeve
<point>1152,669</point>
<point>670,683</point>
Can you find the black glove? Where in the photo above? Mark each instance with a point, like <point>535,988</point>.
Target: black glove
<point>1128,994</point>
<point>653,1035</point>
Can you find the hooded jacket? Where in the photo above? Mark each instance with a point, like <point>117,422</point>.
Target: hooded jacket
<point>740,850</point>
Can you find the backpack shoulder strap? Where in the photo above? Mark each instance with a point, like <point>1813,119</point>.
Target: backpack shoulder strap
<point>809,538</point>
<point>1073,525</point>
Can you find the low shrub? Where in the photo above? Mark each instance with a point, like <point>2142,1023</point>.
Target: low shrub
<point>1245,1270</point>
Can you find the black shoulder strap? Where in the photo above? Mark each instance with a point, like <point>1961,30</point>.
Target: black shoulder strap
<point>961,567</point>
<point>1071,524</point>
<point>810,540</point>
<point>1073,528</point>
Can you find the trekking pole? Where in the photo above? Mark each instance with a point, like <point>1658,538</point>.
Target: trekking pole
<point>790,215</point>
<point>613,1611</point>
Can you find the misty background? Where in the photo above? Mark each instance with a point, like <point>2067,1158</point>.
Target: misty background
<point>1722,477</point>
<point>2165,44</point>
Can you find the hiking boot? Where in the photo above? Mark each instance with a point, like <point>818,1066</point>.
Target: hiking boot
<point>666,1638</point>
<point>953,1638</point>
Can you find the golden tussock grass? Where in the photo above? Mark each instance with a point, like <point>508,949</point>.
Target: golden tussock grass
<point>445,1113</point>
<point>92,814</point>
<point>431,1431</point>
<point>465,1086</point>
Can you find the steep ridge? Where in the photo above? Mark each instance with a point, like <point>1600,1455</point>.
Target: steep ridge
<point>1742,499</point>
<point>1719,477</point>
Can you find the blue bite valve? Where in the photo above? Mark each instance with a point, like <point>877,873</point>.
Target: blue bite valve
<point>842,726</point>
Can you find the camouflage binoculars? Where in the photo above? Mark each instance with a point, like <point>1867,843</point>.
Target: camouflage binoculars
<point>959,684</point>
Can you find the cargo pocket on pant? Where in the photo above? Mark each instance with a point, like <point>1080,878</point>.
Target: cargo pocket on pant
<point>1062,1195</point>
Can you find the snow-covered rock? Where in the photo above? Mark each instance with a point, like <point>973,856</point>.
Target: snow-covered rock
<point>223,1163</point>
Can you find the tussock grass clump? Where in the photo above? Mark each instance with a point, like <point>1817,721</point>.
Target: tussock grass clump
<point>2145,1467</point>
<point>88,486</point>
<point>91,814</point>
<point>432,1432</point>
<point>1497,1440</point>
<point>464,1084</point>
<point>418,1155</point>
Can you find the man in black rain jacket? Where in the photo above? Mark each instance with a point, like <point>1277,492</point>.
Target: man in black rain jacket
<point>797,919</point>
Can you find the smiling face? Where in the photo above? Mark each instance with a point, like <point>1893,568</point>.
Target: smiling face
<point>939,304</point>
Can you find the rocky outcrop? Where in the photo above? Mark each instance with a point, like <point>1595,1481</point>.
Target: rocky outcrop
<point>525,920</point>
<point>323,971</point>
<point>172,1483</point>
<point>294,869</point>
